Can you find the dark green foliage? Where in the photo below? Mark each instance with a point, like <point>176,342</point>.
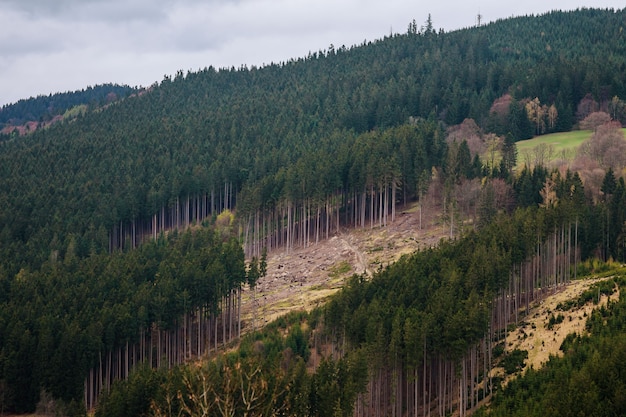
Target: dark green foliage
<point>509,153</point>
<point>298,343</point>
<point>528,186</point>
<point>338,123</point>
<point>134,396</point>
<point>443,293</point>
<point>335,385</point>
<point>609,184</point>
<point>514,361</point>
<point>554,320</point>
<point>70,313</point>
<point>44,108</point>
<point>289,130</point>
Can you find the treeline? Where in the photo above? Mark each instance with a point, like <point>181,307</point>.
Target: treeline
<point>587,380</point>
<point>71,328</point>
<point>228,133</point>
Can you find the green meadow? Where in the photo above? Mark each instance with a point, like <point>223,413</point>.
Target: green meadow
<point>563,141</point>
<point>562,145</point>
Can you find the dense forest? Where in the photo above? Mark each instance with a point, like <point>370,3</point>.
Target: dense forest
<point>93,271</point>
<point>281,141</point>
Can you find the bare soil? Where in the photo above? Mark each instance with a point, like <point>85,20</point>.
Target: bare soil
<point>303,278</point>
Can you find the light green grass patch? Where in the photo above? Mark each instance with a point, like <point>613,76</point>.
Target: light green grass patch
<point>559,141</point>
<point>339,269</point>
<point>563,145</point>
<point>75,111</point>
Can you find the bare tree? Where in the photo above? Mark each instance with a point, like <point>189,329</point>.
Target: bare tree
<point>606,146</point>
<point>470,132</point>
<point>586,106</point>
<point>594,120</point>
<point>590,174</point>
<point>617,109</point>
<point>542,154</point>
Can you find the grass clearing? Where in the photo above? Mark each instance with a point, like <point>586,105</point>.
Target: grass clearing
<point>563,141</point>
<point>563,145</point>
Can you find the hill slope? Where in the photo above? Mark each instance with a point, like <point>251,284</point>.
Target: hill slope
<point>258,137</point>
<point>280,157</point>
<point>27,115</point>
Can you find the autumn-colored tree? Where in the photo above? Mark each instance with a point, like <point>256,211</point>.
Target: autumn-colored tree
<point>553,115</point>
<point>606,146</point>
<point>536,113</point>
<point>594,120</point>
<point>548,193</point>
<point>467,131</point>
<point>617,109</point>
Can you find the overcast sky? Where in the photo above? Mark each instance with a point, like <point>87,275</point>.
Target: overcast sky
<point>49,46</point>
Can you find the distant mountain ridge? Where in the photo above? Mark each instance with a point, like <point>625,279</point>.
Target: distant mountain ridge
<point>26,115</point>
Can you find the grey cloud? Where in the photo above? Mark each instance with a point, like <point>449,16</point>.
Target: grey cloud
<point>59,45</point>
<point>88,10</point>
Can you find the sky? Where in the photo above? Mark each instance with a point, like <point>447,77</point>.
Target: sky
<point>49,46</point>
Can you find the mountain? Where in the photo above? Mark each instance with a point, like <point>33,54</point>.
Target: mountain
<point>27,115</point>
<point>92,267</point>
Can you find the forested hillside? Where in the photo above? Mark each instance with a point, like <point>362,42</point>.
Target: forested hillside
<point>267,139</point>
<point>46,109</point>
<point>283,156</point>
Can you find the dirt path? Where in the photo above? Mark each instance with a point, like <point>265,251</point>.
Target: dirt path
<point>360,264</point>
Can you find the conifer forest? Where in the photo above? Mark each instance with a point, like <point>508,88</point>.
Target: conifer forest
<point>129,231</point>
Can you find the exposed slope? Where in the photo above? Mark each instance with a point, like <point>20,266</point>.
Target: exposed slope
<point>536,335</point>
<point>305,277</point>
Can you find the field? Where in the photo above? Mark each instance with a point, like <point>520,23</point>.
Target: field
<point>563,141</point>
<point>561,146</point>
